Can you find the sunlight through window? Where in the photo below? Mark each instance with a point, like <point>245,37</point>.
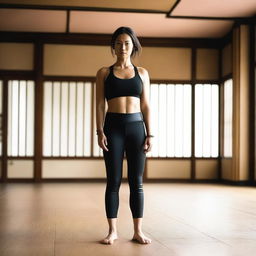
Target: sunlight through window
<point>171,120</point>
<point>206,120</point>
<point>228,94</point>
<point>20,118</point>
<point>67,119</point>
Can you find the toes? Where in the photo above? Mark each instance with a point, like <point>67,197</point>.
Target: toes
<point>103,241</point>
<point>146,241</point>
<point>106,241</point>
<point>142,240</point>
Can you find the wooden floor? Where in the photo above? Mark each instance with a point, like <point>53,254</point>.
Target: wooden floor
<point>181,219</point>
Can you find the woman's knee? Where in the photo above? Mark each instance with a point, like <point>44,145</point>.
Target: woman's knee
<point>136,185</point>
<point>113,185</point>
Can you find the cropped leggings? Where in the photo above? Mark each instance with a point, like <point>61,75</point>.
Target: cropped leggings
<point>125,133</point>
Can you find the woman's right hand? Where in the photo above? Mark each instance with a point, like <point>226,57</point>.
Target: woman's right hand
<point>102,141</point>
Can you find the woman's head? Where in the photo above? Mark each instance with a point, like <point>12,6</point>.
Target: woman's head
<point>124,39</point>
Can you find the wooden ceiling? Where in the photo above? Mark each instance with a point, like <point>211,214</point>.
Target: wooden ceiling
<point>149,18</point>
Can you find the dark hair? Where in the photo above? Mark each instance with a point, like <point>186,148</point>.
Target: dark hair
<point>126,30</point>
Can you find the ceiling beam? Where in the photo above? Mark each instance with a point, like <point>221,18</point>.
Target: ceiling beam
<point>104,39</point>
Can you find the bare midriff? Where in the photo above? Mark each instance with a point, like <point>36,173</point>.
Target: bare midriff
<point>125,104</point>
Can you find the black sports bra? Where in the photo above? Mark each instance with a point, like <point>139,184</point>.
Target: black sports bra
<point>117,87</point>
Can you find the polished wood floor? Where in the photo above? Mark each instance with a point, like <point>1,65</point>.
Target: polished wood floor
<point>181,219</point>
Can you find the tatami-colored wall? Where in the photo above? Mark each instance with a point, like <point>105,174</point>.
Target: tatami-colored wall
<point>207,64</point>
<point>77,60</point>
<point>16,56</point>
<point>163,63</point>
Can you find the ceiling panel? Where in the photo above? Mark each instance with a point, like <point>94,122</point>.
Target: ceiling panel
<point>139,14</point>
<point>32,20</point>
<point>158,5</point>
<point>146,24</point>
<point>216,8</point>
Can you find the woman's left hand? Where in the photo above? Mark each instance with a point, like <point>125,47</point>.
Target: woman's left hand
<point>147,144</point>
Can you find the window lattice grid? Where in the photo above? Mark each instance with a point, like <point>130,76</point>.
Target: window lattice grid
<point>171,120</point>
<point>20,118</point>
<point>67,118</point>
<point>206,120</point>
<point>228,110</point>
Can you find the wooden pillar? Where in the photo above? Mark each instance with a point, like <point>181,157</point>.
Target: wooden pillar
<point>38,66</point>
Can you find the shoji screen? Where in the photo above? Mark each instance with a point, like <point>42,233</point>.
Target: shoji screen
<point>21,118</point>
<point>228,118</point>
<point>206,120</point>
<point>67,119</point>
<point>171,120</point>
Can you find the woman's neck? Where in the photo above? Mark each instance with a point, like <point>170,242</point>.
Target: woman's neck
<point>123,63</point>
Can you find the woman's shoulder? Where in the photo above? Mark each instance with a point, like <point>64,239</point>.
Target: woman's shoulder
<point>142,71</point>
<point>103,72</point>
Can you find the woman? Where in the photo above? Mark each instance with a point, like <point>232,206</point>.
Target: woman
<point>126,89</point>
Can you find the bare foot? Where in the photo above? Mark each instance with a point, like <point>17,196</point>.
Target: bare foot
<point>110,238</point>
<point>141,238</point>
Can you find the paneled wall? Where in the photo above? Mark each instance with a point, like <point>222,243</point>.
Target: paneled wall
<point>169,64</point>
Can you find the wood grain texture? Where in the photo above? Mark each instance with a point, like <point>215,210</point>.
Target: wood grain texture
<point>181,219</point>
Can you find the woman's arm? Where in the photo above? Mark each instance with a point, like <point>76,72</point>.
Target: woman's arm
<point>100,99</point>
<point>100,108</point>
<point>144,100</point>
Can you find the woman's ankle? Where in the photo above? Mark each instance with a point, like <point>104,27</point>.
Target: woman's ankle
<point>111,231</point>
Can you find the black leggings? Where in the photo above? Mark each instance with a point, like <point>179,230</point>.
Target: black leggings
<point>125,133</point>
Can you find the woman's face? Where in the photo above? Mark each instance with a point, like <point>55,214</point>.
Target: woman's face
<point>123,45</point>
